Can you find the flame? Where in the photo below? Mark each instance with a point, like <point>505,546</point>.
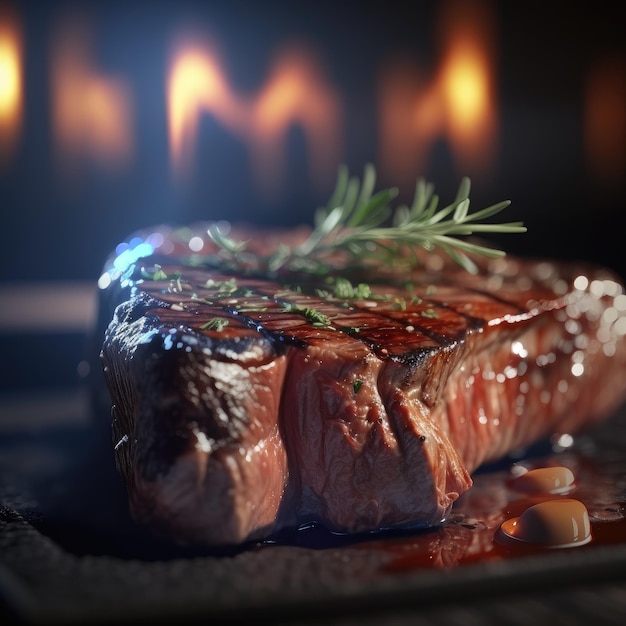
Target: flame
<point>605,121</point>
<point>91,114</point>
<point>470,114</point>
<point>294,93</point>
<point>196,84</point>
<point>458,103</point>
<point>11,88</point>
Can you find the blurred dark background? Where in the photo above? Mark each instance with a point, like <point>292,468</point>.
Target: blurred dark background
<point>119,115</point>
<point>97,145</point>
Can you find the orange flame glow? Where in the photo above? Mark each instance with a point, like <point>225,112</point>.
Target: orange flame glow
<point>458,103</point>
<point>294,93</point>
<point>196,84</point>
<point>11,89</point>
<point>605,121</point>
<point>470,113</point>
<point>91,114</point>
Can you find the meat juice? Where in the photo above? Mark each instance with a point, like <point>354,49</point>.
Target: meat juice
<point>474,533</point>
<point>587,479</point>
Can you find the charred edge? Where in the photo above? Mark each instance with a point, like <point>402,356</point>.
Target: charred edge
<point>169,418</point>
<point>279,340</point>
<point>140,305</point>
<point>416,358</point>
<point>223,348</point>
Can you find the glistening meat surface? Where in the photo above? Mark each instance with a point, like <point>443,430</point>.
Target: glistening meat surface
<point>244,405</point>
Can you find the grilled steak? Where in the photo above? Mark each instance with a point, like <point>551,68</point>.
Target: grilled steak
<point>243,405</point>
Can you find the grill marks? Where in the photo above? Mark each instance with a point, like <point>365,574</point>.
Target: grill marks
<point>395,321</point>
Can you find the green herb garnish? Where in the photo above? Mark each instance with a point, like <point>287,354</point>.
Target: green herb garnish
<point>356,385</point>
<point>343,289</point>
<point>159,274</point>
<point>313,316</point>
<point>215,323</point>
<point>363,225</point>
<point>226,287</point>
<point>398,304</point>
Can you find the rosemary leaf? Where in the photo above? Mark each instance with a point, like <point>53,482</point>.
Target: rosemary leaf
<point>363,225</point>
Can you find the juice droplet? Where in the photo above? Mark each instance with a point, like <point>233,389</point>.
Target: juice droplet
<point>554,524</point>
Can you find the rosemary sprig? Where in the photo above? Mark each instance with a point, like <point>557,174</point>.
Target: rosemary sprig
<point>363,225</point>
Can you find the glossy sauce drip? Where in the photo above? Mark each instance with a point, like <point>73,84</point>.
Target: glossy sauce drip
<point>556,523</point>
<point>551,480</point>
<point>469,541</point>
<point>472,533</point>
<point>590,512</point>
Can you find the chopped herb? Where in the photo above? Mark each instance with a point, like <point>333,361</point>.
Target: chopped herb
<point>215,323</point>
<point>296,288</point>
<point>315,317</point>
<point>175,285</point>
<point>345,290</point>
<point>356,385</point>
<point>197,298</point>
<point>226,287</point>
<point>399,304</point>
<point>430,313</point>
<point>248,308</point>
<point>324,294</point>
<point>159,274</point>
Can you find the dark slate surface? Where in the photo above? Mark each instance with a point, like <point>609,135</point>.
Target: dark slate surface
<point>69,554</point>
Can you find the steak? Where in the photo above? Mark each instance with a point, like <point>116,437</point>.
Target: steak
<point>244,405</point>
